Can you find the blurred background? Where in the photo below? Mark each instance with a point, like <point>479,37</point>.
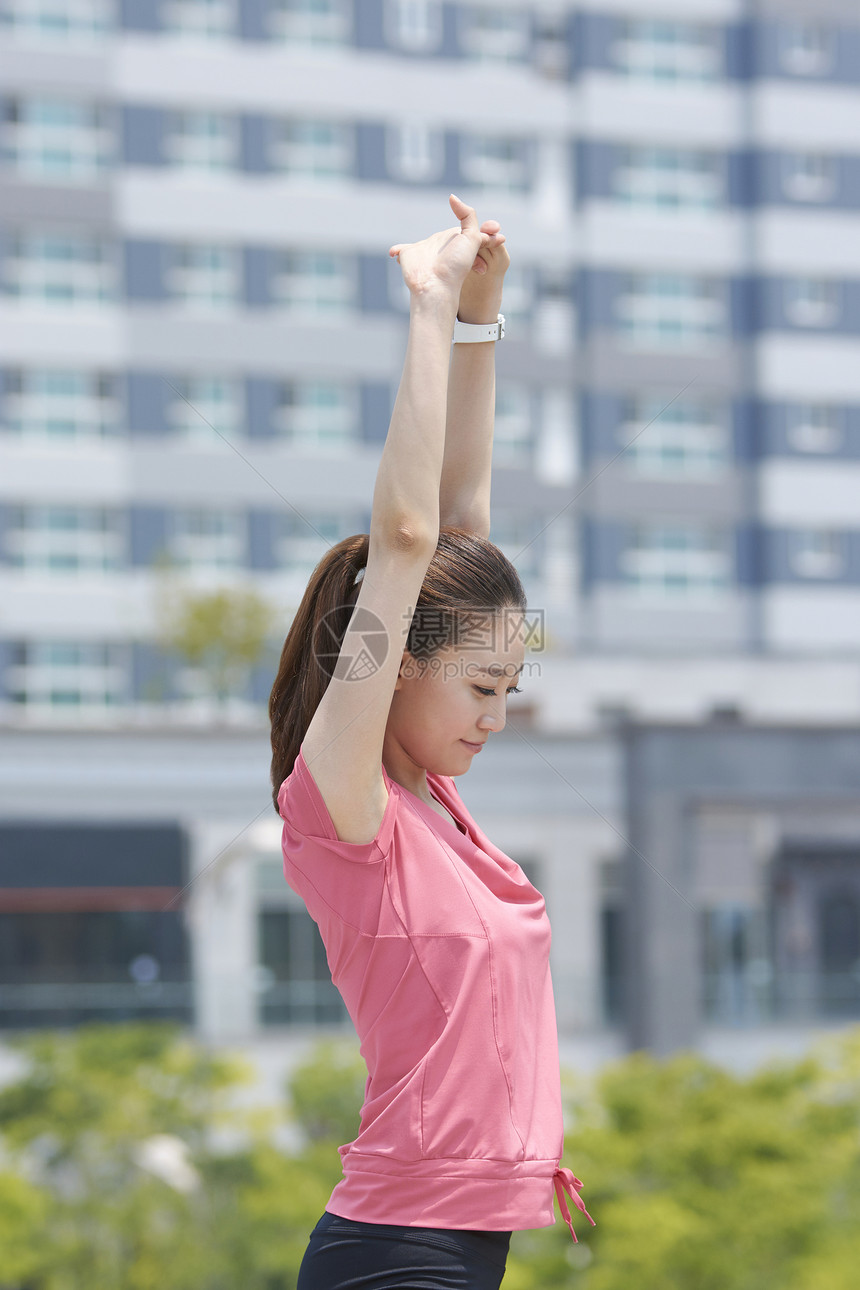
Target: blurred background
<point>200,339</point>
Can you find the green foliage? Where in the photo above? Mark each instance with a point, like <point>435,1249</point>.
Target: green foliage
<point>223,632</point>
<point>24,1210</point>
<point>327,1092</point>
<point>697,1179</point>
<point>74,1124</point>
<point>116,1084</point>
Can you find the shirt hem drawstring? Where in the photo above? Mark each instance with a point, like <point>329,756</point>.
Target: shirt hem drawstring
<point>565,1181</point>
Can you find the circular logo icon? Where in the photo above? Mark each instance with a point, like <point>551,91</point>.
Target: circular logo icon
<point>364,648</point>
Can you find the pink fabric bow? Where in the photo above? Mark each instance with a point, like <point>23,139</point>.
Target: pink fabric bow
<point>566,1181</point>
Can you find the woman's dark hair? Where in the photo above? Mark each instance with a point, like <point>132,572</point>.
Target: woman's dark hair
<point>467,574</point>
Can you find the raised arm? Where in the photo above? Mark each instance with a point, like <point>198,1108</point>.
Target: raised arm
<point>464,493</point>
<point>343,743</point>
<point>406,493</point>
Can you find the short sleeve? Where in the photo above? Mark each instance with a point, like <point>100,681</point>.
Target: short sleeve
<point>309,826</point>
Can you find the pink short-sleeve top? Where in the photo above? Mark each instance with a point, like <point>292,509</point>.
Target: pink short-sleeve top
<point>439,946</point>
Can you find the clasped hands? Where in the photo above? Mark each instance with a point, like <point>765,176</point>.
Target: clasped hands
<point>462,266</point>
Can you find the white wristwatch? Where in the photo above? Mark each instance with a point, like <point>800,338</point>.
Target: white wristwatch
<point>469,333</point>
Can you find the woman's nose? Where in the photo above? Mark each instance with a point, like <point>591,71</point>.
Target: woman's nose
<point>494,717</point>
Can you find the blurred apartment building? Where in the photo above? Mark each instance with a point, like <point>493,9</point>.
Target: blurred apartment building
<point>200,339</point>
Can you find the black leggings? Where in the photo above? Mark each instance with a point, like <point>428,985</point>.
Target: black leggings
<point>344,1254</point>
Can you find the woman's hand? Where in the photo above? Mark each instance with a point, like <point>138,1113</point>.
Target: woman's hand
<point>440,263</point>
<point>481,292</point>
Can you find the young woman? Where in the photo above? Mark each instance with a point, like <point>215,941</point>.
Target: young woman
<point>393,676</point>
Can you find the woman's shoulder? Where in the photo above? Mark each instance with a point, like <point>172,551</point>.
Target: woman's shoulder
<point>309,825</point>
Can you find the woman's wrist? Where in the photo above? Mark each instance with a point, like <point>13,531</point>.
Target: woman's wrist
<point>486,311</point>
<point>438,305</point>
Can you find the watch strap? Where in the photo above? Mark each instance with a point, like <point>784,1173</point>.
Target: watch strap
<point>472,333</point>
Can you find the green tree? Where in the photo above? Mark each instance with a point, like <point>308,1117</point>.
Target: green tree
<point>78,1124</point>
<point>224,632</point>
<point>110,1178</point>
<point>91,1200</point>
<point>24,1210</point>
<point>700,1180</point>
<point>326,1092</point>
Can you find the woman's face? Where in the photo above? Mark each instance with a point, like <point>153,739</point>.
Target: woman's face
<point>457,697</point>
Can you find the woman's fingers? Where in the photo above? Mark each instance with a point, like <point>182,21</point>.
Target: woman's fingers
<point>467,215</point>
<point>442,259</point>
<point>468,218</point>
<point>490,230</point>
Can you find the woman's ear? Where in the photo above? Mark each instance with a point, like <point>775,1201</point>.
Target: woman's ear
<point>410,669</point>
<point>403,671</point>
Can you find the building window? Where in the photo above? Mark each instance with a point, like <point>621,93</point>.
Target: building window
<point>494,161</point>
<point>669,51</point>
<point>201,140</point>
<point>555,317</point>
<point>208,539</point>
<point>312,149</point>
<point>494,35</point>
<point>83,953</point>
<point>676,560</point>
<point>519,299</point>
<point>317,415</point>
<point>806,48</point>
<point>58,268</point>
<point>204,276</point>
<point>415,153</point>
<point>414,25</point>
<point>296,985</point>
<point>814,427</point>
<point>816,553</point>
<point>310,22</point>
<point>57,138</point>
<point>206,410</point>
<point>65,22</point>
<point>808,176</point>
<point>671,436</point>
<point>551,49</point>
<point>811,302</point>
<point>59,406</point>
<point>512,433</point>
<point>312,282</point>
<point>69,675</point>
<point>671,310</point>
<point>301,542</point>
<point>613,939</point>
<point>736,969</point>
<point>670,178</point>
<point>513,532</point>
<point>65,539</point>
<point>199,19</point>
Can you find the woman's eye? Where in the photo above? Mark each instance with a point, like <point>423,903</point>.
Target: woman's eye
<point>515,689</point>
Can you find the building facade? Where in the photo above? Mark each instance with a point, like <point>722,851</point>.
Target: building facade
<point>200,352</point>
<point>200,338</point>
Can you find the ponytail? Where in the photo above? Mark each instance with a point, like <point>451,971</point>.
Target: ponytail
<point>305,671</point>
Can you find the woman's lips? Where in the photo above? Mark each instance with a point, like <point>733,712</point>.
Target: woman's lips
<point>474,747</point>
